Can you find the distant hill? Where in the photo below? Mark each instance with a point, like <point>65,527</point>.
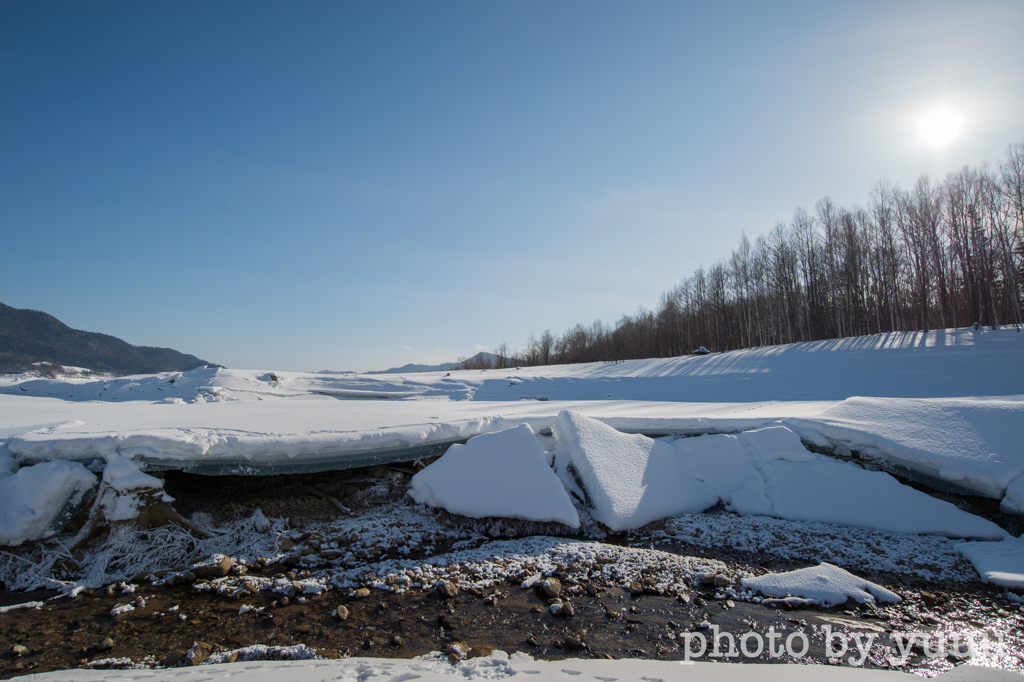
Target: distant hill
<point>478,361</point>
<point>29,336</point>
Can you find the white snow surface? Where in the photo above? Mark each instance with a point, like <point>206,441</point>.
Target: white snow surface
<point>630,480</point>
<point>500,666</point>
<point>502,474</point>
<point>825,584</point>
<point>978,444</point>
<point>768,472</point>
<point>999,563</point>
<point>33,497</point>
<point>1013,500</point>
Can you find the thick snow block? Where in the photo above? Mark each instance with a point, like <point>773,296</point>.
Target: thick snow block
<point>32,499</point>
<point>825,584</point>
<point>503,474</point>
<point>1013,500</point>
<point>971,445</point>
<point>836,492</point>
<point>999,563</point>
<point>629,480</point>
<point>768,472</point>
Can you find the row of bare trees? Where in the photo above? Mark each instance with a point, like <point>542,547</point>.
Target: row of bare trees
<point>942,254</point>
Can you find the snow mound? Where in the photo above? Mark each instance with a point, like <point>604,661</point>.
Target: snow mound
<point>629,480</point>
<point>8,464</point>
<point>33,499</point>
<point>768,472</point>
<point>999,563</point>
<point>825,584</point>
<point>127,490</point>
<point>502,474</point>
<point>972,444</point>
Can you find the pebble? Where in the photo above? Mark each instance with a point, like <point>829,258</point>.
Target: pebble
<point>446,589</point>
<point>340,613</point>
<point>106,645</point>
<point>19,650</point>
<point>361,593</point>
<point>481,651</point>
<point>552,587</point>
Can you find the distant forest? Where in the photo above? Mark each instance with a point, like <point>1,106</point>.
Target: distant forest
<point>948,253</point>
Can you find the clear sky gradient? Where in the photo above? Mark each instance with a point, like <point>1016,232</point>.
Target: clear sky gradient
<point>358,185</point>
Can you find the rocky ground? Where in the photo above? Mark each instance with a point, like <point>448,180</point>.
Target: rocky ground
<point>392,579</point>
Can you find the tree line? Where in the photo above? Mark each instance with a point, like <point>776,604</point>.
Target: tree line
<point>947,253</point>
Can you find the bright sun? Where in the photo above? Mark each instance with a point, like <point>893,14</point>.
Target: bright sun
<point>940,126</point>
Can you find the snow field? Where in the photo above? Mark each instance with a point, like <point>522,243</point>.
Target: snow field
<point>500,666</point>
<point>999,563</point>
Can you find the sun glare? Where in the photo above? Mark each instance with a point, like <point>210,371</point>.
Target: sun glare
<point>940,126</point>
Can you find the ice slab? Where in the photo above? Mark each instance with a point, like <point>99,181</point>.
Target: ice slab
<point>504,474</point>
<point>629,480</point>
<point>35,499</point>
<point>999,563</point>
<point>973,445</point>
<point>768,472</point>
<point>824,584</point>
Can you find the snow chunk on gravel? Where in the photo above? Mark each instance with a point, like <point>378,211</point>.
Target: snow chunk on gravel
<point>630,480</point>
<point>999,563</point>
<point>502,474</point>
<point>33,498</point>
<point>824,584</point>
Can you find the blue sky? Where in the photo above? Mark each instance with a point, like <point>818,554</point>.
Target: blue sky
<point>331,185</point>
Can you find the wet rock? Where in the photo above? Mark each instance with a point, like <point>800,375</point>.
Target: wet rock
<point>217,567</point>
<point>575,643</point>
<point>446,589</point>
<point>199,652</point>
<point>568,610</point>
<point>457,649</point>
<point>173,659</point>
<point>729,603</point>
<point>340,613</point>
<point>536,609</point>
<point>552,587</point>
<point>636,589</point>
<point>19,650</point>
<point>592,589</point>
<point>481,651</point>
<point>361,593</point>
<point>929,599</point>
<point>683,598</point>
<point>532,641</point>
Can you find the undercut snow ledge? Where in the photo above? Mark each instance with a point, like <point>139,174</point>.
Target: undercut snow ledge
<point>824,584</point>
